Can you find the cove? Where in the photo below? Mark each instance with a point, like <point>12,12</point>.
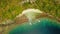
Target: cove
<point>40,26</point>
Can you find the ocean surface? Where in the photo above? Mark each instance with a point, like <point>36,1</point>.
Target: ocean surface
<point>39,26</point>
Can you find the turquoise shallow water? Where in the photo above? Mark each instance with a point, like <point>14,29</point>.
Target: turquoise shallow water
<point>40,26</point>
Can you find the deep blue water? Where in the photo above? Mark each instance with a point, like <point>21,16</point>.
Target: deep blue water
<point>45,26</point>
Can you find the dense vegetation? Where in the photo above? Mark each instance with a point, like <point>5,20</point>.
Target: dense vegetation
<point>10,8</point>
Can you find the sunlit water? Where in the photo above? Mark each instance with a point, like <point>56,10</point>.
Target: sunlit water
<point>40,26</point>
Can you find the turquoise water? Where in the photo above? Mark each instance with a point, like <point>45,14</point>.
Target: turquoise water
<point>40,26</point>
